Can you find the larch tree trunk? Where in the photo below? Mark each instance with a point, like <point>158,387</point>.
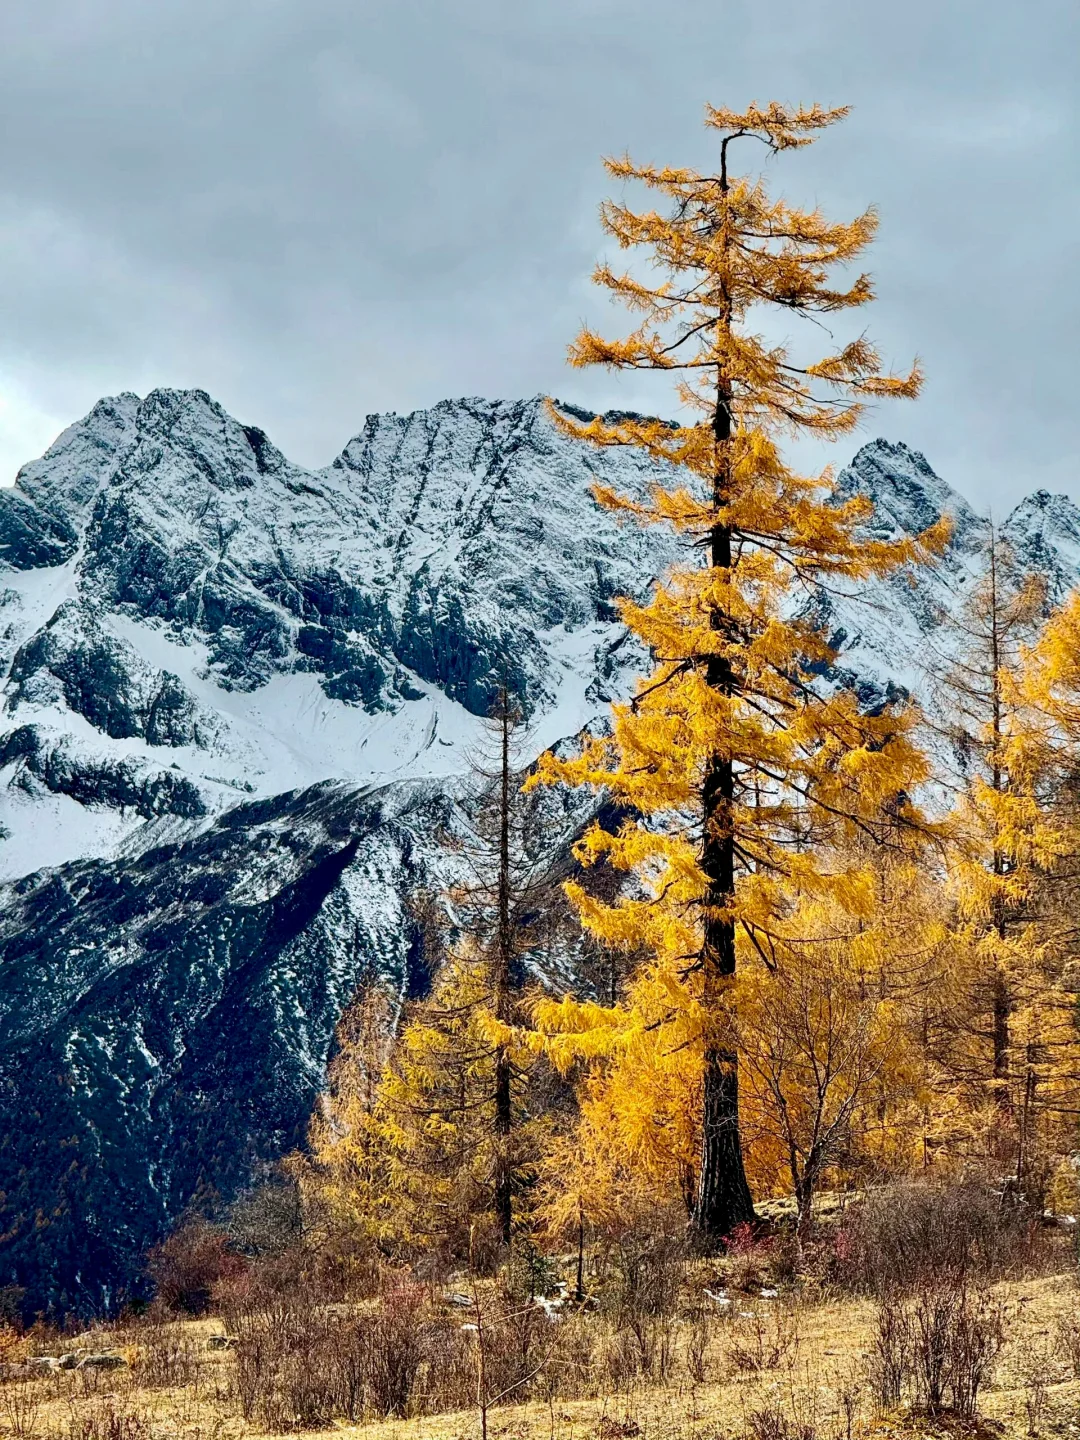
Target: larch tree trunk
<point>723,1198</point>
<point>504,943</point>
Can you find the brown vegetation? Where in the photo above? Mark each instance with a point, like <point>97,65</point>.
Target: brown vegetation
<point>931,1338</point>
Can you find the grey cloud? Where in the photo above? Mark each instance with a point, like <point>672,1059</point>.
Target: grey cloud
<point>317,208</point>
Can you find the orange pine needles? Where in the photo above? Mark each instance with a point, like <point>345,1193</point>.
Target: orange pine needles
<point>744,773</point>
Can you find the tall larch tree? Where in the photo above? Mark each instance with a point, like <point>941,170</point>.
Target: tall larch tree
<point>458,1103</point>
<point>500,906</point>
<point>1004,840</point>
<point>739,767</point>
<point>1044,757</point>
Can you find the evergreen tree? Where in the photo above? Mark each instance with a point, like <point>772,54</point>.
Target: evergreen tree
<point>742,769</point>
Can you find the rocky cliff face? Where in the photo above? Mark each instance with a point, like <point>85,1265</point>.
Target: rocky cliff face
<point>236,698</point>
<point>187,613</point>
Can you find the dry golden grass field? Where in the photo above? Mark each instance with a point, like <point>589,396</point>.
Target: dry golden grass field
<point>784,1368</point>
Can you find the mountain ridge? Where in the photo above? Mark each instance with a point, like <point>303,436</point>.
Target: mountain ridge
<point>238,698</point>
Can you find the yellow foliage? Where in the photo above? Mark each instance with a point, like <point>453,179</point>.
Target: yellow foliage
<point>748,778</point>
<point>835,1080</point>
<point>1007,1038</point>
<point>344,1177</point>
<point>413,1165</point>
<point>854,988</point>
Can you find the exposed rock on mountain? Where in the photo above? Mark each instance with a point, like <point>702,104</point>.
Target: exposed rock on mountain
<point>166,1018</point>
<point>72,661</point>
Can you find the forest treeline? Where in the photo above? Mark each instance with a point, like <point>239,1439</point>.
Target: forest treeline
<point>807,945</point>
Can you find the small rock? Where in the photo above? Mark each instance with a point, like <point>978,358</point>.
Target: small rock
<point>220,1342</point>
<point>22,1370</point>
<point>102,1362</point>
<point>69,1361</point>
<point>463,1302</point>
<point>769,1294</point>
<point>43,1362</point>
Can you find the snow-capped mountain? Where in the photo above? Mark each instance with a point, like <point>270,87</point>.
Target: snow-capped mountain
<point>193,619</point>
<point>238,698</point>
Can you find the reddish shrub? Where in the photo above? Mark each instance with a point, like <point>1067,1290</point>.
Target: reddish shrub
<point>748,1256</point>
<point>187,1267</point>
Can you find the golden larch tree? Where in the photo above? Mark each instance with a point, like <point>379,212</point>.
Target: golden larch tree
<point>501,903</point>
<point>829,1039</point>
<point>415,1162</point>
<point>1002,842</point>
<point>739,767</point>
<point>1042,760</point>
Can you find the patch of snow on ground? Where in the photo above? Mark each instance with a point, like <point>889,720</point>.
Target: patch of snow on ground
<point>46,830</point>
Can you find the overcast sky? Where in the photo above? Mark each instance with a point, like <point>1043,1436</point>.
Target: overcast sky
<point>319,208</point>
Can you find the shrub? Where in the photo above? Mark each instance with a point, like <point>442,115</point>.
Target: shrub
<point>770,1423</point>
<point>267,1219</point>
<point>747,1258</point>
<point>904,1234</point>
<point>767,1340</point>
<point>646,1270</point>
<point>286,1366</point>
<point>396,1350</point>
<point>1035,1364</point>
<point>107,1421</point>
<point>1067,1335</point>
<point>20,1410</point>
<point>188,1266</point>
<point>303,1363</point>
<point>936,1346</point>
<point>166,1358</point>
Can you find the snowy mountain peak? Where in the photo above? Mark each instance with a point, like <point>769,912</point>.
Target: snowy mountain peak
<point>182,598</point>
<point>1044,531</point>
<point>227,454</point>
<point>907,495</point>
<point>185,604</point>
<point>42,514</point>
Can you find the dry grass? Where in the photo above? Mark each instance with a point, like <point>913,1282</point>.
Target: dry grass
<point>761,1370</point>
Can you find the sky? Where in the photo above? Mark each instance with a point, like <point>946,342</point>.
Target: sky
<point>316,209</point>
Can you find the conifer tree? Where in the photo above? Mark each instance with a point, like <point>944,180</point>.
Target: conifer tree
<point>448,1153</point>
<point>830,1039</point>
<point>411,1161</point>
<point>1003,841</point>
<point>442,1153</point>
<point>739,766</point>
<point>830,1044</point>
<point>1043,757</point>
<point>500,907</point>
<point>344,1176</point>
